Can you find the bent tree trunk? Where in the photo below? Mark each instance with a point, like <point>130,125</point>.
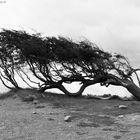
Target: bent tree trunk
<point>64,90</point>
<point>134,90</point>
<point>131,87</point>
<point>82,88</point>
<point>128,84</point>
<point>76,94</point>
<point>68,93</point>
<point>85,84</point>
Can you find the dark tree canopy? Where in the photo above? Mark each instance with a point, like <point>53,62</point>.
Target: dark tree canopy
<point>58,60</point>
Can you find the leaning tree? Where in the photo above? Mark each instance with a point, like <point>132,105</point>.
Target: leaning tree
<point>58,60</point>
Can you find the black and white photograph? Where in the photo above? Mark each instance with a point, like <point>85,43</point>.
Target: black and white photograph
<point>69,70</point>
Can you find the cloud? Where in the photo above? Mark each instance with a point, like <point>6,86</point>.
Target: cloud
<point>113,25</point>
<point>135,3</point>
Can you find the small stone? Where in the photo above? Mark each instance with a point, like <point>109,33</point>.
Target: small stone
<point>70,126</point>
<point>34,112</point>
<point>67,119</point>
<point>35,102</point>
<point>51,113</point>
<point>120,116</point>
<point>122,107</point>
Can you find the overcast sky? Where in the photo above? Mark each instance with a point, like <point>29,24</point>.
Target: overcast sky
<point>114,25</point>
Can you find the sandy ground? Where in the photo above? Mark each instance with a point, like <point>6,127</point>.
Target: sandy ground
<point>43,118</point>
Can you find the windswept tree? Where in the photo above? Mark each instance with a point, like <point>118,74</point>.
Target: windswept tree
<point>58,60</point>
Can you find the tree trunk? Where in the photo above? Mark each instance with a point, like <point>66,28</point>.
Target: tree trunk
<point>76,94</point>
<point>128,84</point>
<point>131,87</point>
<point>82,88</point>
<point>134,90</point>
<point>63,89</point>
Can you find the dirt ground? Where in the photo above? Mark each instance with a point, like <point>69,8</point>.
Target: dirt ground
<point>26,115</point>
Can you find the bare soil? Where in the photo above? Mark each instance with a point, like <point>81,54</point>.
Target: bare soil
<point>28,115</point>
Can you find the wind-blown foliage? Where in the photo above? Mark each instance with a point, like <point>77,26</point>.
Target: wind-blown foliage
<point>58,60</point>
